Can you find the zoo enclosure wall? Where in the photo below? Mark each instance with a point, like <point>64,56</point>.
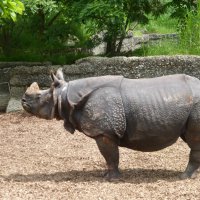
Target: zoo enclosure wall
<point>21,75</point>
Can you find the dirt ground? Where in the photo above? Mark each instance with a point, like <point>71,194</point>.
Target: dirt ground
<point>40,160</point>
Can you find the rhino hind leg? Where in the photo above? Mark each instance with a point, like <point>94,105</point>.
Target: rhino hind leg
<point>193,165</point>
<point>110,151</point>
<point>192,137</point>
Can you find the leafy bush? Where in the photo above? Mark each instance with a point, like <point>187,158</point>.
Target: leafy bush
<point>9,9</point>
<point>190,34</point>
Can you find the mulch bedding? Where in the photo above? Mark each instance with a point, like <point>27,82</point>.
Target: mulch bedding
<point>40,160</point>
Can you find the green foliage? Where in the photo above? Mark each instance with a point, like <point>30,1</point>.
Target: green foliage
<point>44,32</point>
<point>180,8</point>
<point>163,47</point>
<point>114,18</point>
<point>62,31</point>
<point>190,35</point>
<point>188,42</point>
<point>48,6</point>
<point>162,24</point>
<point>10,8</point>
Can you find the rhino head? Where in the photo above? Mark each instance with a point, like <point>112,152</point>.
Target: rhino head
<point>44,103</point>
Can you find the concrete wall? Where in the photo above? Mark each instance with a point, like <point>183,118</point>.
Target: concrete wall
<point>132,67</point>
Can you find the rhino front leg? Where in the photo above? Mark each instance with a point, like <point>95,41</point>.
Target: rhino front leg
<point>193,165</point>
<point>110,151</point>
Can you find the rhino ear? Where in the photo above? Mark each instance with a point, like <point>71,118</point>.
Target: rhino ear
<point>59,74</point>
<point>55,79</point>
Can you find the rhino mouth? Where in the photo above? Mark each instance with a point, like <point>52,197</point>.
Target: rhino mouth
<point>25,105</point>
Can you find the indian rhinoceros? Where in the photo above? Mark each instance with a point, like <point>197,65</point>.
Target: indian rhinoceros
<point>146,114</point>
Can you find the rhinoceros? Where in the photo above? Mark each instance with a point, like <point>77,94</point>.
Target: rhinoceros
<point>146,114</point>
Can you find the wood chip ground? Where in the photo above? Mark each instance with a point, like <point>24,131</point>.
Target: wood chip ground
<point>40,160</point>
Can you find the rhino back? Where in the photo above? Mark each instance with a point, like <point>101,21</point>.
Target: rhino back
<point>156,110</point>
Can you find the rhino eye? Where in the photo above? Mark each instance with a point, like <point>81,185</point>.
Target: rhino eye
<point>38,96</point>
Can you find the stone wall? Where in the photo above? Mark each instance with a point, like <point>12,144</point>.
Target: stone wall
<point>132,67</point>
<point>8,92</point>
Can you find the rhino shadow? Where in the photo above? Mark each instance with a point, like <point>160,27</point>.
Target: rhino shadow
<point>135,176</point>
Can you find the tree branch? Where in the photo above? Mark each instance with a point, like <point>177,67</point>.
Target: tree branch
<point>53,19</point>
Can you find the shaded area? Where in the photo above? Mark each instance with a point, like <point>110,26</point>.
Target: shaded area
<point>136,176</point>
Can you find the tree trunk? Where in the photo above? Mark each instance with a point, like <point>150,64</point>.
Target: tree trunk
<point>123,35</point>
<point>41,24</point>
<point>6,40</point>
<point>111,45</point>
<point>119,47</point>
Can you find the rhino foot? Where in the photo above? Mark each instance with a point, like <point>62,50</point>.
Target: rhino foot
<point>185,175</point>
<point>113,176</point>
<point>193,166</point>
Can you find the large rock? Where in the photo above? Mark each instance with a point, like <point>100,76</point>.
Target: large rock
<point>14,104</point>
<point>4,95</point>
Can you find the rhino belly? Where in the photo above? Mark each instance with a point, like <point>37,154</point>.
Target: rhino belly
<point>149,142</point>
<point>156,114</point>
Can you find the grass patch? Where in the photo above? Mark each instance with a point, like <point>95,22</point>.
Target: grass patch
<point>163,24</point>
<point>163,47</point>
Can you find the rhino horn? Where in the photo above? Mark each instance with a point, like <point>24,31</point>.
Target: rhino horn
<point>33,88</point>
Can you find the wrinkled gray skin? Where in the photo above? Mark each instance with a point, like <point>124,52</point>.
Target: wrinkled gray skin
<point>143,114</point>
